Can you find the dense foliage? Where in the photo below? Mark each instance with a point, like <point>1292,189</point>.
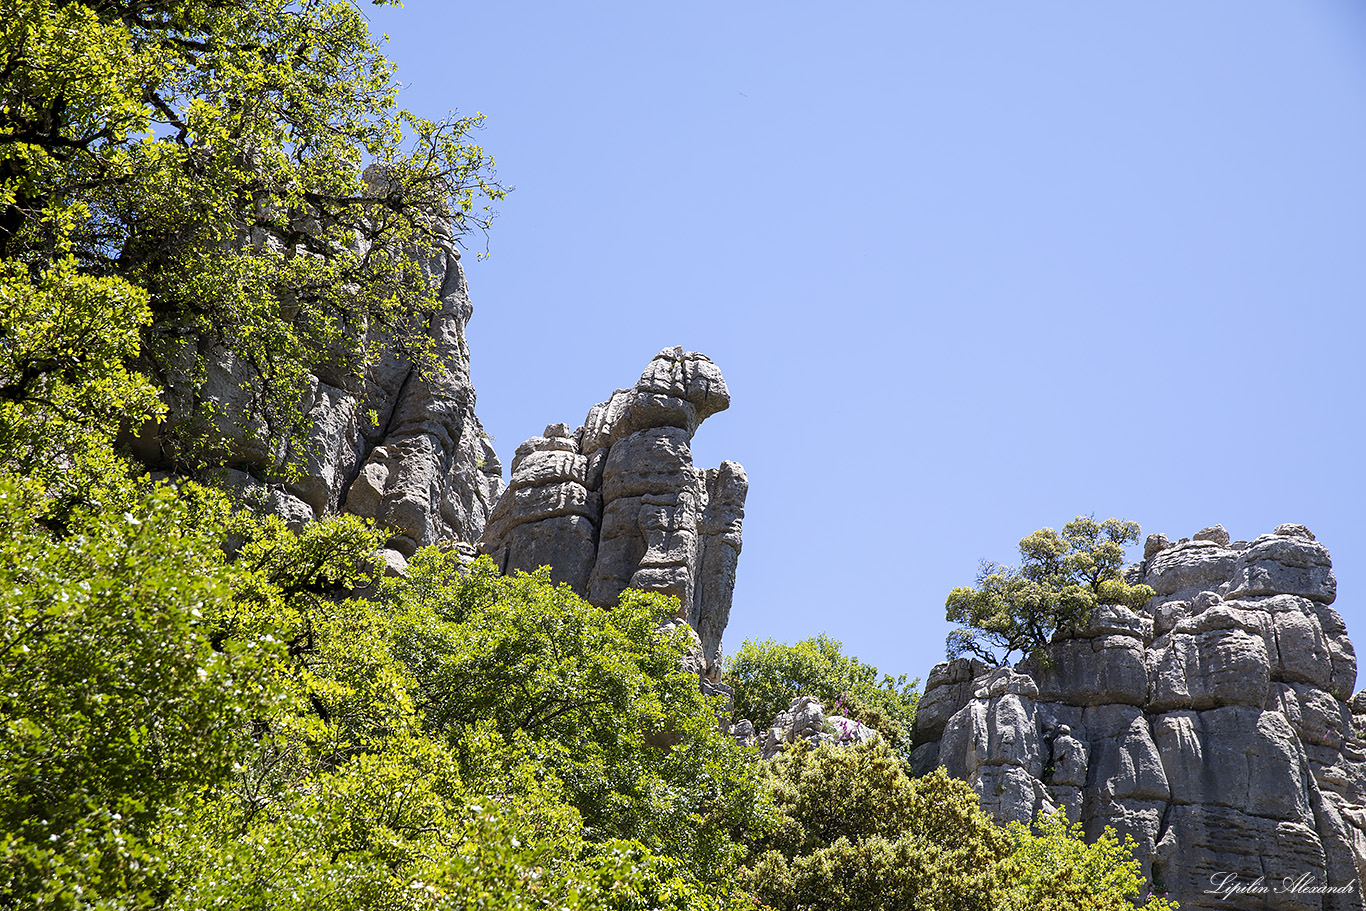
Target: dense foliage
<point>1060,580</point>
<point>112,702</point>
<point>1052,868</point>
<point>855,832</point>
<point>768,675</point>
<point>189,730</point>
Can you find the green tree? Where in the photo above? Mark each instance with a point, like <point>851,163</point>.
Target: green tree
<point>596,765</point>
<point>856,833</point>
<point>595,697</point>
<point>1052,868</point>
<point>766,676</point>
<point>113,702</point>
<point>1060,580</point>
<point>66,339</point>
<point>203,159</point>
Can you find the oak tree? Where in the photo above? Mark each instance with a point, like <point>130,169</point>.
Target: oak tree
<point>1061,578</point>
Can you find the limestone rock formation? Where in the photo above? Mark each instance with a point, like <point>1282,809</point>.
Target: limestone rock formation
<point>1216,725</point>
<point>402,447</point>
<point>804,719</point>
<point>617,502</point>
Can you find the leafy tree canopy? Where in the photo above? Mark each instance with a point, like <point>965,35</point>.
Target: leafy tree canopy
<point>768,675</point>
<point>113,702</point>
<point>192,171</point>
<point>857,833</point>
<point>1060,580</point>
<point>184,729</point>
<point>1052,868</point>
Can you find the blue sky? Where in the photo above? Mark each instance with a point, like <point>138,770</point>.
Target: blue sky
<point>969,269</point>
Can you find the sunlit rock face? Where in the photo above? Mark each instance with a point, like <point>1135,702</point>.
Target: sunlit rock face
<point>617,503</point>
<point>1216,725</point>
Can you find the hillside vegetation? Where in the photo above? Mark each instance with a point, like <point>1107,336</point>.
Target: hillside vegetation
<point>202,708</point>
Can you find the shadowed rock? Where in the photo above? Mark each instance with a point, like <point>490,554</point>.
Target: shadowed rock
<point>399,445</point>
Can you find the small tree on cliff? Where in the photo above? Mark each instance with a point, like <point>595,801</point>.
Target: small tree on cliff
<point>1060,580</point>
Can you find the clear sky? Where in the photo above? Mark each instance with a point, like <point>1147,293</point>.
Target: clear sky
<point>969,269</point>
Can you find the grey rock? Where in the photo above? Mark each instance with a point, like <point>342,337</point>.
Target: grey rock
<point>1285,564</point>
<point>692,659</point>
<point>618,503</point>
<point>925,758</point>
<point>1215,533</point>
<point>1194,565</point>
<point>1216,658</point>
<point>423,468</point>
<point>948,688</point>
<point>1154,545</point>
<point>1115,620</point>
<point>849,732</point>
<point>994,743</point>
<point>1123,759</point>
<point>1068,761</point>
<point>395,565</point>
<point>805,719</point>
<point>1205,843</point>
<point>265,498</point>
<point>1216,725</point>
<point>1166,614</point>
<point>1101,670</point>
<point>1009,793</point>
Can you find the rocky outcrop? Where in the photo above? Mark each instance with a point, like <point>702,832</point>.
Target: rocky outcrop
<point>617,502</point>
<point>401,445</point>
<point>804,719</point>
<point>1216,726</point>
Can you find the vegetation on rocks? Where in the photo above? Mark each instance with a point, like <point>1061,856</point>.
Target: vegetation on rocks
<point>186,729</point>
<point>1061,579</point>
<point>766,676</point>
<point>855,832</point>
<point>188,173</point>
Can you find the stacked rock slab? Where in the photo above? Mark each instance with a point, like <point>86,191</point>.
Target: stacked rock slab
<point>400,446</point>
<point>1216,725</point>
<point>617,503</point>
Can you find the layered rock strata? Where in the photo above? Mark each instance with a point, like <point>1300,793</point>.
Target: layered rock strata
<point>400,446</point>
<point>1216,726</point>
<point>618,503</point>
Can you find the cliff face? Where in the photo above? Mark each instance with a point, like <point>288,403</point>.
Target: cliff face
<point>399,447</point>
<point>618,503</point>
<point>1217,725</point>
